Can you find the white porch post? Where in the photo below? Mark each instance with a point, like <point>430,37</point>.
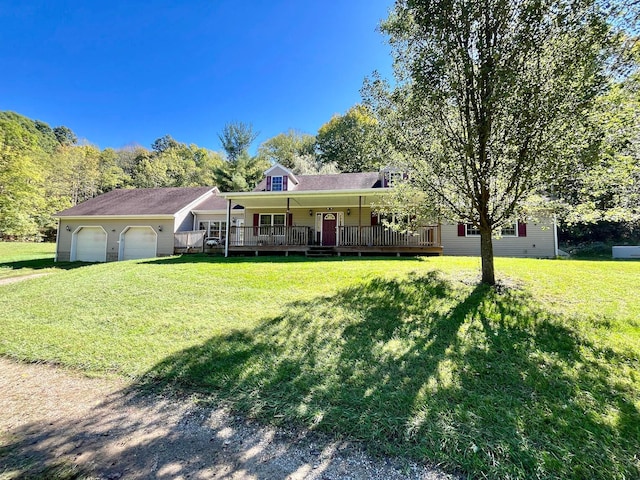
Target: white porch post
<point>228,229</point>
<point>359,219</point>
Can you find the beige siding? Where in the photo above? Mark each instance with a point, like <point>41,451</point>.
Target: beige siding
<point>278,171</point>
<point>539,242</point>
<point>217,217</point>
<point>301,217</point>
<point>114,228</point>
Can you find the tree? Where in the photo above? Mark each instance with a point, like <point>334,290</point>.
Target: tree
<point>21,179</point>
<point>351,141</point>
<point>490,95</point>
<point>285,148</point>
<point>240,171</point>
<point>609,190</point>
<point>236,138</point>
<point>65,136</point>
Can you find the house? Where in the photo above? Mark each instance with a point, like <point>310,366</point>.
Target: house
<point>334,214</point>
<point>128,224</point>
<point>285,213</point>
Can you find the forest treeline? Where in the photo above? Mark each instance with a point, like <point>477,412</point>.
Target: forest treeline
<point>44,169</point>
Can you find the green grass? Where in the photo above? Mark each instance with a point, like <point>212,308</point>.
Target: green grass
<point>19,259</point>
<point>537,379</point>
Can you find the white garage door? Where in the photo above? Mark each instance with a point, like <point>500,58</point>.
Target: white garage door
<point>139,242</point>
<point>91,245</point>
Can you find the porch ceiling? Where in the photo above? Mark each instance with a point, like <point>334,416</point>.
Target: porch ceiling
<point>307,200</point>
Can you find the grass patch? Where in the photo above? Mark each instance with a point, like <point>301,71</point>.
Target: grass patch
<point>18,259</point>
<point>538,379</point>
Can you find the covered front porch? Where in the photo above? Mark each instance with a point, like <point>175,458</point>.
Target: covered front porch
<point>320,223</point>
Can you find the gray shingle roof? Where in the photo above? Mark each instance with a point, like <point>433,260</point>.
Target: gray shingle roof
<point>214,203</point>
<point>337,181</point>
<point>139,201</point>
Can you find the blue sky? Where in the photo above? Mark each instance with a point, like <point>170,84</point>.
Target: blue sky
<point>124,72</point>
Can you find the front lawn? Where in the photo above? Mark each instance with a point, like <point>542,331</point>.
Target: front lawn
<point>538,379</point>
<point>18,259</point>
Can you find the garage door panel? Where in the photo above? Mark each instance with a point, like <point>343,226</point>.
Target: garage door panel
<point>139,242</point>
<point>91,245</point>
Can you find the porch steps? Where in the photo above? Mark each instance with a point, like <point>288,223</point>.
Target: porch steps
<point>316,251</point>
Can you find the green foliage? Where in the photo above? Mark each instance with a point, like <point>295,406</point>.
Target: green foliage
<point>535,379</point>
<point>240,172</point>
<point>351,141</point>
<point>609,190</point>
<point>21,179</point>
<point>287,148</point>
<point>44,171</point>
<point>236,138</point>
<point>491,94</point>
<point>65,136</point>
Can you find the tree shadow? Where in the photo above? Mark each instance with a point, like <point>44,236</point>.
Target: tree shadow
<point>472,379</point>
<point>301,258</point>
<point>42,263</point>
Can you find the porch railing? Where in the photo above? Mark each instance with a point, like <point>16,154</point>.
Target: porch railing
<point>351,236</point>
<point>380,236</point>
<point>269,236</point>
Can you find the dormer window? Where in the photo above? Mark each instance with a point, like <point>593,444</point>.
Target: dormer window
<point>276,184</point>
<point>391,178</point>
<point>394,178</point>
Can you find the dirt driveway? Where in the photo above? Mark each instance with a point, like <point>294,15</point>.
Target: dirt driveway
<point>57,424</point>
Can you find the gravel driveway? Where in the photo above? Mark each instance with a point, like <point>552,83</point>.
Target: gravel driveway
<point>55,423</point>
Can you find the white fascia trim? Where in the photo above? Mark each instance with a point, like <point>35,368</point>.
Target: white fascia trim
<point>208,212</point>
<point>310,193</point>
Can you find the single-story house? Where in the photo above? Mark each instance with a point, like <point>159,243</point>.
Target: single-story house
<point>129,223</point>
<point>333,213</point>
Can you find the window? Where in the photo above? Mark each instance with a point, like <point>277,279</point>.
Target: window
<point>276,184</point>
<point>272,224</point>
<point>394,178</point>
<point>214,228</point>
<point>473,230</point>
<point>509,230</point>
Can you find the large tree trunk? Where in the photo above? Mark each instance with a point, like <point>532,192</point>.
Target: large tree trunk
<point>486,253</point>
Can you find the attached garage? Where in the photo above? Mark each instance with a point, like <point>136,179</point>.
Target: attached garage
<point>89,244</point>
<point>138,242</point>
<point>128,224</point>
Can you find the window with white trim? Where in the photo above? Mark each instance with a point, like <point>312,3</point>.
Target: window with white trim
<point>214,228</point>
<point>509,230</point>
<point>472,230</point>
<point>276,184</point>
<point>272,223</point>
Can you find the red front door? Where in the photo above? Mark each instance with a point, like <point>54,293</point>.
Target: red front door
<point>329,224</point>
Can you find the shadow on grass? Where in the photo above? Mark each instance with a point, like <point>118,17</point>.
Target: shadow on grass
<point>463,377</point>
<point>206,258</point>
<point>42,263</point>
<point>468,379</point>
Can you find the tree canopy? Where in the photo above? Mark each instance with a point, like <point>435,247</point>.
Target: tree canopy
<point>351,141</point>
<point>240,171</point>
<point>491,96</point>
